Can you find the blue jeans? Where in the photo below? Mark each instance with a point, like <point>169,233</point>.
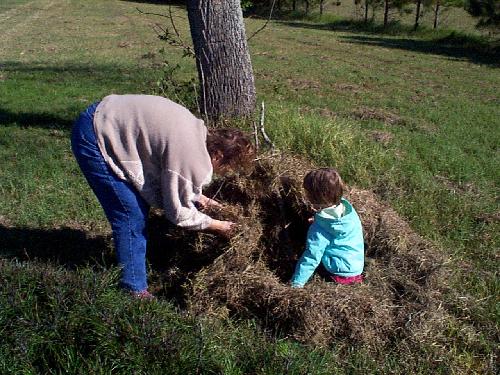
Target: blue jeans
<point>125,209</point>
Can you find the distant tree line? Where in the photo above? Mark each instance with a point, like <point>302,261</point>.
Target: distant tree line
<point>226,80</point>
<point>487,11</point>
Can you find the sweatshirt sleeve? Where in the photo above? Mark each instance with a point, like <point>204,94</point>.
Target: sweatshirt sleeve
<point>179,195</point>
<point>310,259</point>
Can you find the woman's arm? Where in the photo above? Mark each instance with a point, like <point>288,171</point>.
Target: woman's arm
<point>180,209</point>
<point>206,202</point>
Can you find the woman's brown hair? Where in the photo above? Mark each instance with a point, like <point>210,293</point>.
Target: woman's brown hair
<point>233,146</point>
<point>323,186</point>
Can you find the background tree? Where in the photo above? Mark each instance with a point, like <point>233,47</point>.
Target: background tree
<point>440,6</point>
<point>488,11</point>
<point>393,5</point>
<point>387,5</point>
<point>418,4</point>
<point>366,6</point>
<point>437,7</point>
<point>227,87</point>
<point>321,6</point>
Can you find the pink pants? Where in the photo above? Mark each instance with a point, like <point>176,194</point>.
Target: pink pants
<point>347,280</point>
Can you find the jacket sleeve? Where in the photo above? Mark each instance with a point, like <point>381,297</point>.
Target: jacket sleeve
<point>179,195</point>
<point>310,259</point>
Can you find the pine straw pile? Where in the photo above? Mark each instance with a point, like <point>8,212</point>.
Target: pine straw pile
<point>248,275</point>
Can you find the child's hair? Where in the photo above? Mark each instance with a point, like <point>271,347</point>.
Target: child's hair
<point>323,186</point>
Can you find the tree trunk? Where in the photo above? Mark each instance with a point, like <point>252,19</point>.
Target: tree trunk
<point>366,11</point>
<point>417,14</point>
<point>436,13</point>
<point>321,3</point>
<point>222,58</point>
<point>307,7</point>
<point>294,5</point>
<point>386,13</point>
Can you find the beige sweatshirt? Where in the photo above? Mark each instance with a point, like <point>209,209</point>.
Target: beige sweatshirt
<point>160,148</point>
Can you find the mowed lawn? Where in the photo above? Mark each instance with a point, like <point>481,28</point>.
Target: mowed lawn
<point>414,119</point>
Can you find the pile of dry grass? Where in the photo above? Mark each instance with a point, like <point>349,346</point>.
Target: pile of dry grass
<point>248,275</point>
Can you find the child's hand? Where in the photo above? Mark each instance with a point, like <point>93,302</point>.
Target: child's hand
<point>310,220</point>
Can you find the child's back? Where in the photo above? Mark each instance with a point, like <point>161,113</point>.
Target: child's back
<point>335,238</point>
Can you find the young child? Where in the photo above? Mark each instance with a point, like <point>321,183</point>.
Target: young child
<point>335,237</point>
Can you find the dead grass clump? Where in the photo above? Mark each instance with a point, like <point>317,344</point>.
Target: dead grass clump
<point>348,88</point>
<point>324,112</point>
<point>304,84</point>
<point>489,217</point>
<point>381,137</point>
<point>247,276</point>
<point>365,113</point>
<point>457,188</point>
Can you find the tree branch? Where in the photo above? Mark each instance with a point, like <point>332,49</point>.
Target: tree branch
<point>256,136</point>
<point>174,40</point>
<point>262,130</point>
<point>265,24</point>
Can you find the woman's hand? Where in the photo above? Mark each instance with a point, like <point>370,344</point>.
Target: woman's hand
<point>205,202</point>
<point>223,228</point>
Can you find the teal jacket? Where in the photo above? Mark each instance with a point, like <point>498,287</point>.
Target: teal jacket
<point>335,242</point>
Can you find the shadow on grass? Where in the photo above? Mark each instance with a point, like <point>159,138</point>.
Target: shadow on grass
<point>72,71</point>
<point>52,96</point>
<point>450,50</point>
<point>31,119</point>
<point>70,247</point>
<point>171,253</point>
<point>451,44</point>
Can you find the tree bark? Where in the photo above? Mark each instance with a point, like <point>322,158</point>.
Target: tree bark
<point>366,11</point>
<point>417,14</point>
<point>321,4</point>
<point>294,5</point>
<point>307,6</point>
<point>436,13</point>
<point>222,58</point>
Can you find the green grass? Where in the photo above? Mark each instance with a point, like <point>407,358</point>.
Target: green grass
<point>78,323</point>
<point>329,87</point>
<point>7,5</point>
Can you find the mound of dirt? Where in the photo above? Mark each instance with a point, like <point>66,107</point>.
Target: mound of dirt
<point>248,275</point>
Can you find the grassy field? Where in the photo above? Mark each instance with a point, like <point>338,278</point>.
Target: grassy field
<point>412,116</point>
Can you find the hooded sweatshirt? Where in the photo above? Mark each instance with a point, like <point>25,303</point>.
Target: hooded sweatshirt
<point>160,148</point>
<point>335,239</point>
